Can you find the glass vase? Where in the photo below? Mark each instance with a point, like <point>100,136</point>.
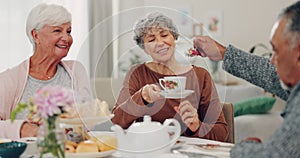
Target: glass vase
<point>51,139</point>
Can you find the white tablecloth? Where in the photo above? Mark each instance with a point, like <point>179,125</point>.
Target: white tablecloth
<point>187,148</point>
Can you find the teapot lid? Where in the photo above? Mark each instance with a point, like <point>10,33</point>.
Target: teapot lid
<point>146,126</point>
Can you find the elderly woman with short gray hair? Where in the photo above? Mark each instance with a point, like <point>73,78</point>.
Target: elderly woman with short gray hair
<point>200,113</point>
<point>49,30</point>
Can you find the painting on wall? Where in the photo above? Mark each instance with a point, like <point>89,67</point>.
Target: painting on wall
<point>213,22</point>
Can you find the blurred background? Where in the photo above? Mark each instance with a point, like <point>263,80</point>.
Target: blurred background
<point>103,42</point>
<point>102,29</point>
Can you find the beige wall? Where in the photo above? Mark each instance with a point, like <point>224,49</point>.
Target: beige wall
<point>245,22</point>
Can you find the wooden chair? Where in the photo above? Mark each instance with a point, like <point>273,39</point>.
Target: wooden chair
<point>229,117</point>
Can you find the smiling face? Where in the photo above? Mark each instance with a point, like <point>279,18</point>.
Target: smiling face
<point>285,57</point>
<point>159,43</point>
<point>54,41</point>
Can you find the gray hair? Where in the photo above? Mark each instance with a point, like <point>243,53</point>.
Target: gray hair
<point>292,28</point>
<point>154,19</point>
<point>46,14</point>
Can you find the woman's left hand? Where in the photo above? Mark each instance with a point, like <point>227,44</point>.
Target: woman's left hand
<point>188,115</point>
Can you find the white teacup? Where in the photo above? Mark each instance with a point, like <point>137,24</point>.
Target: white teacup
<point>173,83</point>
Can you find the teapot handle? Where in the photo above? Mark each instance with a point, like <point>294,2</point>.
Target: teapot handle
<point>176,129</point>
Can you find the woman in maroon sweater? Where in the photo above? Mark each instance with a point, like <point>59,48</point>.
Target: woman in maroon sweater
<point>200,113</point>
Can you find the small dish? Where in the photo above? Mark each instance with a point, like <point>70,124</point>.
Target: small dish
<point>176,95</point>
<point>4,140</point>
<point>12,149</point>
<point>65,122</point>
<point>213,147</point>
<point>197,155</point>
<point>94,154</point>
<point>90,155</point>
<point>171,155</point>
<point>178,144</point>
<point>99,133</point>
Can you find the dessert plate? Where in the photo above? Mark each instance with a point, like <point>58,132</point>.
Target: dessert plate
<point>178,144</point>
<point>4,140</point>
<point>97,133</point>
<point>171,155</point>
<point>85,120</point>
<point>94,154</point>
<point>176,95</point>
<point>90,155</point>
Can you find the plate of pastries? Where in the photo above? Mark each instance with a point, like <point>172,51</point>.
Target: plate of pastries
<point>96,144</point>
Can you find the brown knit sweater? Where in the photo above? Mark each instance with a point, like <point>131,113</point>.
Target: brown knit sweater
<point>131,107</point>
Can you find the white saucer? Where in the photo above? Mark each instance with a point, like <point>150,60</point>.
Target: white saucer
<point>4,140</point>
<point>170,155</point>
<point>178,144</point>
<point>176,95</point>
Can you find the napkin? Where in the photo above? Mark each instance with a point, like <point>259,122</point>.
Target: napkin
<point>223,150</point>
<point>218,152</point>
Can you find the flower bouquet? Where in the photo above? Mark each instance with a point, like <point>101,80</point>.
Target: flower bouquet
<point>47,104</point>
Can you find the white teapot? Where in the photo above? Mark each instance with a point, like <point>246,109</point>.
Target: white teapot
<point>147,138</point>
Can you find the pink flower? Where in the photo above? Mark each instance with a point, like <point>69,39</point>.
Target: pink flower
<point>50,100</point>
